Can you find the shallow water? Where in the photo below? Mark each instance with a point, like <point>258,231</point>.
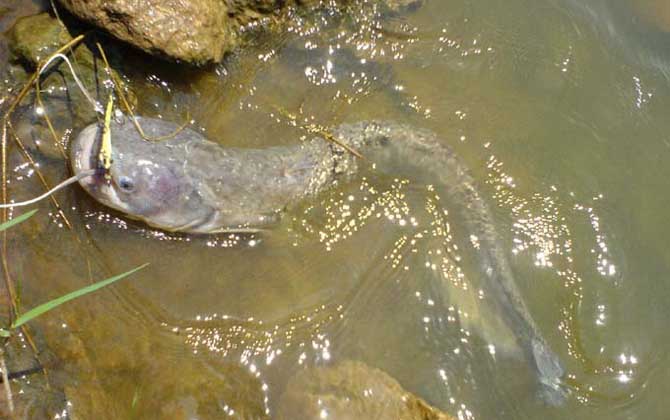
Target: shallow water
<point>558,108</point>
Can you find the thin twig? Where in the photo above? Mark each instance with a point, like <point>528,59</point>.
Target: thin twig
<point>43,180</point>
<point>317,129</point>
<point>53,7</point>
<point>40,104</point>
<point>32,78</point>
<point>24,372</point>
<point>38,99</point>
<point>117,83</point>
<point>6,118</point>
<point>119,92</point>
<point>13,298</point>
<point>9,285</point>
<point>96,106</point>
<point>29,338</point>
<point>60,21</point>
<point>320,130</point>
<point>5,381</point>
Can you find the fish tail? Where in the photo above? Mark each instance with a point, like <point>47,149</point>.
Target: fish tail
<point>406,150</point>
<point>550,371</point>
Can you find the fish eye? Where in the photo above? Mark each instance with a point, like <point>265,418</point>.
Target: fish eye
<point>126,184</point>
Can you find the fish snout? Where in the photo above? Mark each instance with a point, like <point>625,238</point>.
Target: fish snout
<point>84,150</point>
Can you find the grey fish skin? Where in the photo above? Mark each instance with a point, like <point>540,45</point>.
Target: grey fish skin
<point>190,184</point>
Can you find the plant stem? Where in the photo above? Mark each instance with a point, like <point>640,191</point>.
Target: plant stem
<point>5,381</point>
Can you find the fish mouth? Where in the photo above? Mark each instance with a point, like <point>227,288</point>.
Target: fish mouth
<point>84,152</point>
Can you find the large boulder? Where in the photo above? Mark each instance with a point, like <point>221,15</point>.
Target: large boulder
<point>196,31</point>
<point>351,391</point>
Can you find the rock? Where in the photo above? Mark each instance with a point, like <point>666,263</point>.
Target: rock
<point>33,39</point>
<point>351,391</point>
<point>196,31</point>
<point>111,372</point>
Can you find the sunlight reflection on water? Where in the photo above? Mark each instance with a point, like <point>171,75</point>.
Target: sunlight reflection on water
<point>561,120</point>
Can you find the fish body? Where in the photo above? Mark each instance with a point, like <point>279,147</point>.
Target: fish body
<point>190,184</point>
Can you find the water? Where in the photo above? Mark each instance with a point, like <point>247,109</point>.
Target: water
<point>559,109</point>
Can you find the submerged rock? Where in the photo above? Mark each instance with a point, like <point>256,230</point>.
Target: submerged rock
<point>113,366</point>
<point>31,41</point>
<point>351,391</point>
<point>34,38</point>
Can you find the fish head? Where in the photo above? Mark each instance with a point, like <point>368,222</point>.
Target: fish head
<point>144,181</point>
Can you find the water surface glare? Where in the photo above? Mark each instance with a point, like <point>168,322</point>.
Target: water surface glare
<point>558,108</point>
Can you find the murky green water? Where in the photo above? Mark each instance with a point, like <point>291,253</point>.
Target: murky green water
<point>559,109</point>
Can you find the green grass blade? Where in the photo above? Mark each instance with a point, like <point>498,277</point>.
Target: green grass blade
<point>39,310</point>
<point>17,220</point>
